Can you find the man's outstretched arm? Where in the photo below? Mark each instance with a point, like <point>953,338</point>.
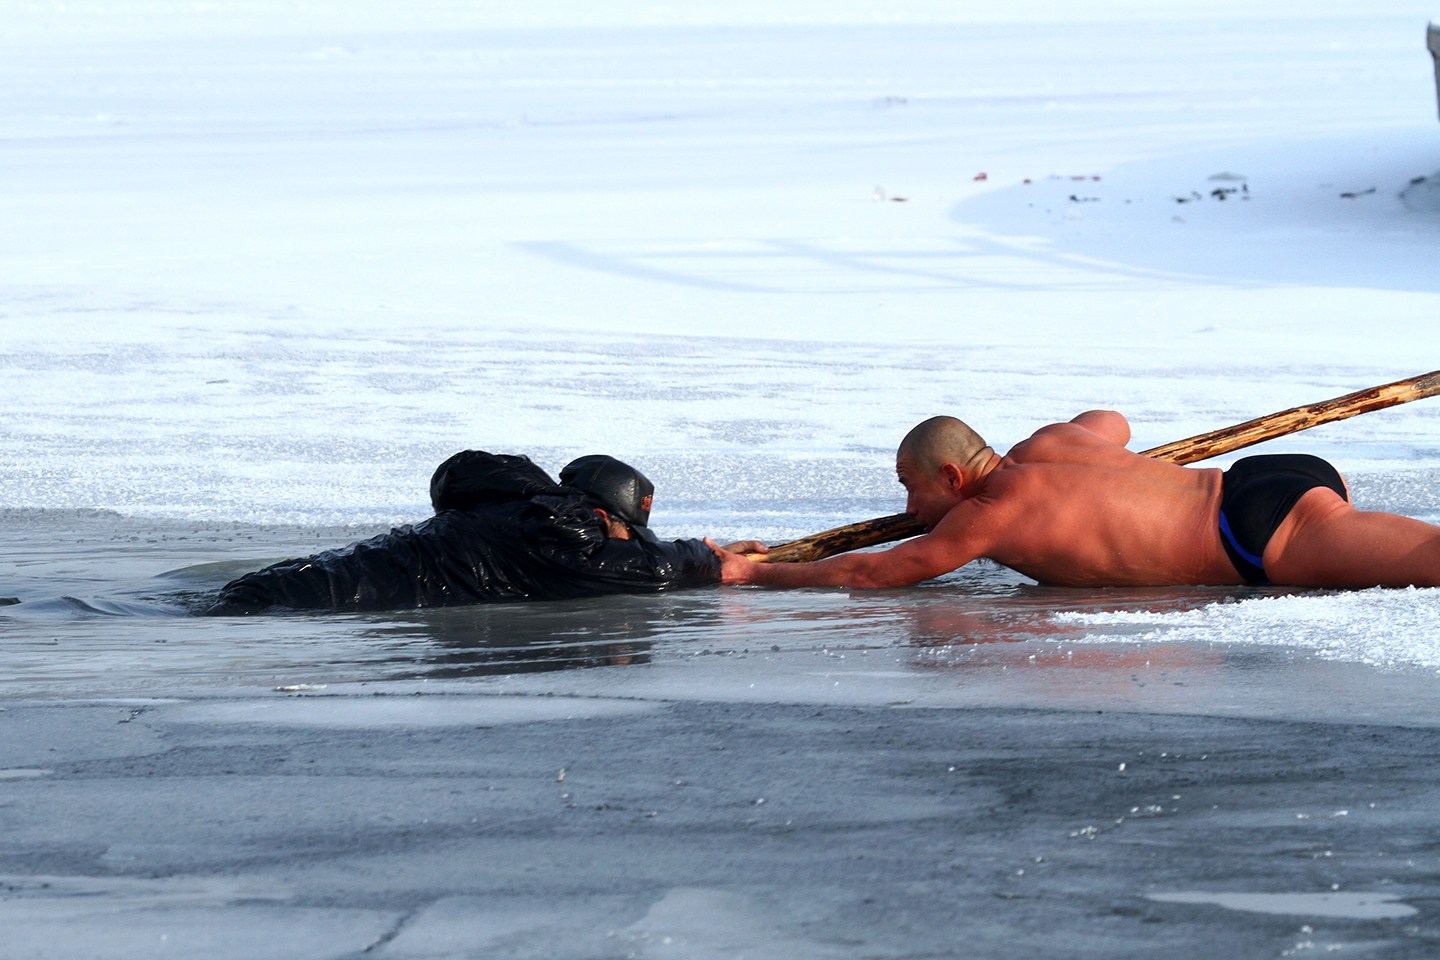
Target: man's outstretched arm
<point>911,562</point>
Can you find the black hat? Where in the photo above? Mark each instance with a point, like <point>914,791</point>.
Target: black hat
<point>618,488</point>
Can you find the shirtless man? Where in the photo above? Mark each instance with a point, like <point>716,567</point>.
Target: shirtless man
<point>1071,506</point>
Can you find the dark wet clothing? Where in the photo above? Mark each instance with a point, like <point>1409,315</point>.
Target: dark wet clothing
<point>1257,495</point>
<point>503,531</point>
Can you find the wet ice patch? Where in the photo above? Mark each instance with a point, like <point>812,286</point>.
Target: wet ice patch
<point>132,892</point>
<point>499,926</point>
<point>24,773</point>
<point>1384,628</point>
<point>699,924</point>
<point>412,711</point>
<point>1347,906</point>
<point>117,918</point>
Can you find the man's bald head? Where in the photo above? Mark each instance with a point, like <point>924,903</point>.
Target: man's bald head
<point>941,440</point>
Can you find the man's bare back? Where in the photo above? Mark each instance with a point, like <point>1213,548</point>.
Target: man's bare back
<point>1071,506</point>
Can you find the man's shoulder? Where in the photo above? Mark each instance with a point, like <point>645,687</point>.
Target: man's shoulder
<point>1062,443</point>
<point>1066,433</point>
<point>977,522</point>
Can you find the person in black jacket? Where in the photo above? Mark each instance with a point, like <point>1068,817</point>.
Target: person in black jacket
<point>503,531</point>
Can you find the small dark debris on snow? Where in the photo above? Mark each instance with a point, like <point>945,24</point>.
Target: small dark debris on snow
<point>1218,193</point>
<point>1352,194</point>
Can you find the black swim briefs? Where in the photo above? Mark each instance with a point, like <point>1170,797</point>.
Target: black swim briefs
<point>1257,495</point>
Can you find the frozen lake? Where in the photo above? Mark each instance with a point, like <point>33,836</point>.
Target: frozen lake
<point>265,265</point>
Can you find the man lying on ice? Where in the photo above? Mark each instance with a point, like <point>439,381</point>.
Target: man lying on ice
<point>1071,506</point>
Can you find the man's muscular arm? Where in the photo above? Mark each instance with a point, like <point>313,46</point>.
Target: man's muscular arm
<point>1105,423</point>
<point>911,562</point>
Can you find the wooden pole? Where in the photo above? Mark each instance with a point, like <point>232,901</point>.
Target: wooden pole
<point>853,536</point>
<point>1251,432</point>
<point>899,526</point>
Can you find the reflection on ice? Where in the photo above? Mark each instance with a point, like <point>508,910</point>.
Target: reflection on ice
<point>526,637</point>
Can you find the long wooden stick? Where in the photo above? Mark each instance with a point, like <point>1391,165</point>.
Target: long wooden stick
<point>1251,432</point>
<point>899,526</point>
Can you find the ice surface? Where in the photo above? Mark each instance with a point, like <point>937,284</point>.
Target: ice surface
<point>265,264</point>
<point>1385,628</point>
<point>513,926</point>
<point>698,924</point>
<point>389,712</point>
<point>112,917</point>
<point>1350,906</point>
<point>273,264</point>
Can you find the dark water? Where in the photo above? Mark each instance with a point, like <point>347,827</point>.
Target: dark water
<point>105,604</point>
<point>102,593</point>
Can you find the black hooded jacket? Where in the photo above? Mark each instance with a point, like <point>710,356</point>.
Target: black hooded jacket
<point>502,531</point>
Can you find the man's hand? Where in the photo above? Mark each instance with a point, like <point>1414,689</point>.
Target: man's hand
<point>734,567</point>
<point>746,547</point>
